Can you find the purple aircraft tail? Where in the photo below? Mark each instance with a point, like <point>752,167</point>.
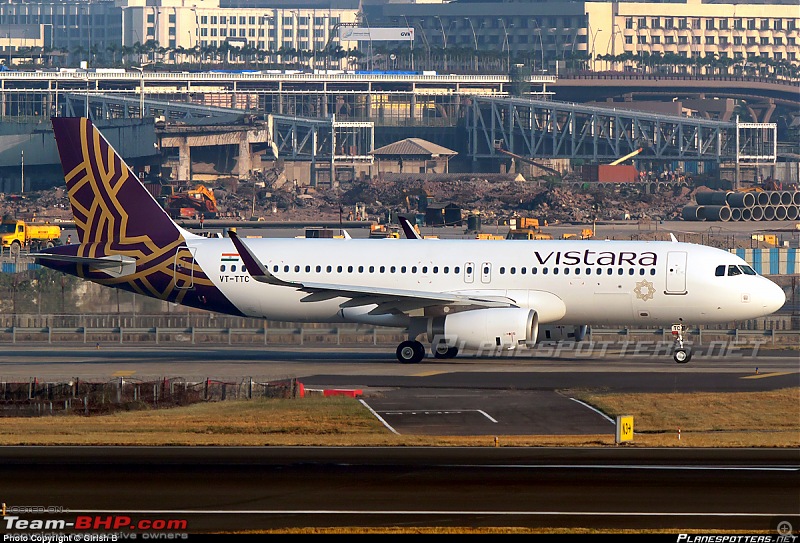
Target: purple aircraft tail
<point>109,203</point>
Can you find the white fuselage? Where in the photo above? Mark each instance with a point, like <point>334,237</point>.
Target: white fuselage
<point>566,282</point>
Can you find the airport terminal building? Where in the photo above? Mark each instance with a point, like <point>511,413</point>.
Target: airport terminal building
<point>545,35</point>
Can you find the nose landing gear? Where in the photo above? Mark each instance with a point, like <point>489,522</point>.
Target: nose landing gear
<point>682,354</point>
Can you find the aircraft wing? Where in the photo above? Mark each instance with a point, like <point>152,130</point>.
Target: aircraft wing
<point>387,299</point>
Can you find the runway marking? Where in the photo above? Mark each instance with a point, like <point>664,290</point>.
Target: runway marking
<point>773,374</point>
<point>584,404</point>
<point>438,412</point>
<point>377,416</point>
<point>411,512</point>
<point>429,373</point>
<point>123,373</point>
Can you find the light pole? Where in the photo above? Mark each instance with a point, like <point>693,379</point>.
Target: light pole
<point>538,30</point>
<point>141,87</point>
<point>505,44</point>
<point>412,41</point>
<point>475,38</point>
<point>594,38</point>
<point>444,40</point>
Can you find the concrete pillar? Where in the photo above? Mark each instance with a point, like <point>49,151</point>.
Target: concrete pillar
<point>184,160</point>
<point>245,163</point>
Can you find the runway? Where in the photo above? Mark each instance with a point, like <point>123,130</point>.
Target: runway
<point>271,488</point>
<point>217,489</point>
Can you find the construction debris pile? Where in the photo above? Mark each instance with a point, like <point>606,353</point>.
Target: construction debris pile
<point>494,196</point>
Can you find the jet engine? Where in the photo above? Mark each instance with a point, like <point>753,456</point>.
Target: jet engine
<point>505,327</point>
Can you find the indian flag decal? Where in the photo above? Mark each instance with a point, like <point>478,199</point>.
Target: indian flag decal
<point>230,257</point>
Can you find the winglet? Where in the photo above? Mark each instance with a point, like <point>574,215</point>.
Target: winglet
<point>408,230</point>
<point>257,270</point>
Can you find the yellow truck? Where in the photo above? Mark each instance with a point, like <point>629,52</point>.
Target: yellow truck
<point>17,235</point>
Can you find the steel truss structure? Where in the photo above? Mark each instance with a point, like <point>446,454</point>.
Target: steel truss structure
<point>549,129</point>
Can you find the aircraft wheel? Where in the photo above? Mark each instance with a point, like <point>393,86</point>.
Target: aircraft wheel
<point>410,352</point>
<point>682,355</point>
<point>443,351</point>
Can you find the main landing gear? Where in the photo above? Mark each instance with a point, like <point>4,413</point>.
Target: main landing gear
<point>682,354</point>
<point>412,351</point>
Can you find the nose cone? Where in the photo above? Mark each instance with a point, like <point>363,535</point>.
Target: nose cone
<point>773,297</point>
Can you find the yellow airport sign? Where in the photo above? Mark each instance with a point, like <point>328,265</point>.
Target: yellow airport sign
<point>624,428</point>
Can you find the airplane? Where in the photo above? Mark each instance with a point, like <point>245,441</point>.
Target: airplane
<point>486,295</point>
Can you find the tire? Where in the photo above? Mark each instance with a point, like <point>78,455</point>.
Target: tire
<point>50,245</point>
<point>410,352</point>
<point>15,249</point>
<point>448,352</point>
<point>682,355</point>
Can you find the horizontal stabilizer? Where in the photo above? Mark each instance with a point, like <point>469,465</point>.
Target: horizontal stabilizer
<point>113,265</point>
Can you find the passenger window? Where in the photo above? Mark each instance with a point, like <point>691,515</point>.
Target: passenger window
<point>534,270</point>
<point>653,271</point>
<point>308,269</point>
<point>577,271</point>
<point>424,269</point>
<point>339,269</point>
<point>286,269</point>
<point>436,269</point>
<point>349,269</point>
<point>522,270</point>
<point>275,268</point>
<point>392,269</point>
<point>631,271</point>
<point>469,270</point>
<point>620,271</point>
<point>222,268</point>
<point>512,271</point>
<point>383,269</point>
<point>720,271</point>
<point>555,271</point>
<point>329,269</point>
<point>457,269</point>
<point>402,269</point>
<point>413,269</point>
<point>609,271</point>
<point>361,269</point>
<point>734,270</point>
<point>544,271</point>
<point>297,268</point>
<point>233,268</point>
<point>319,269</point>
<point>446,269</point>
<point>566,271</point>
<point>641,271</point>
<point>502,270</point>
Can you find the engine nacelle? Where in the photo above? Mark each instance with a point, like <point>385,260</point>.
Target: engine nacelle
<point>553,332</point>
<point>506,327</point>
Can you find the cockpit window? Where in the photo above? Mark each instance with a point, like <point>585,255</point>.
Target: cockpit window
<point>734,270</point>
<point>720,271</point>
<point>748,270</point>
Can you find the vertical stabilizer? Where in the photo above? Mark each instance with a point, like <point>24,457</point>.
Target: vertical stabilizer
<point>110,205</point>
